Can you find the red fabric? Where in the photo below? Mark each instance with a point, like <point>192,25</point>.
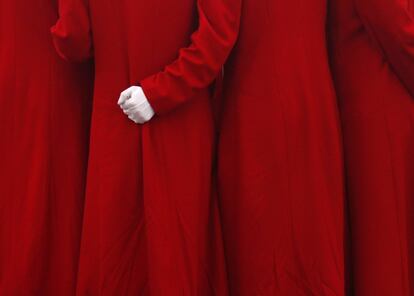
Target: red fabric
<point>373,65</point>
<point>44,127</point>
<point>151,220</point>
<point>280,158</point>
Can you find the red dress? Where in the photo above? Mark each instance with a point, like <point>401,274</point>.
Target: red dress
<point>373,66</point>
<point>44,128</point>
<point>151,224</point>
<point>280,160</point>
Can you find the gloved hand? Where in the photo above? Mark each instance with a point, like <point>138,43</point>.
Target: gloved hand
<point>135,105</point>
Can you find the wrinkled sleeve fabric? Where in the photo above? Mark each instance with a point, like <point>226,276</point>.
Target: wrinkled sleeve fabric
<point>198,64</point>
<point>392,25</point>
<point>72,32</point>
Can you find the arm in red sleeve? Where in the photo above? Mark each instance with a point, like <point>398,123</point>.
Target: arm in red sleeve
<point>72,33</point>
<point>197,65</point>
<point>392,25</point>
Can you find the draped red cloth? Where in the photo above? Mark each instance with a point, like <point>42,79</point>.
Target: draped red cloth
<point>373,64</point>
<point>280,155</point>
<point>151,218</point>
<point>44,127</point>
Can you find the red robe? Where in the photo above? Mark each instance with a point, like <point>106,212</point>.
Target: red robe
<point>280,160</point>
<point>151,224</point>
<point>44,128</point>
<point>373,66</point>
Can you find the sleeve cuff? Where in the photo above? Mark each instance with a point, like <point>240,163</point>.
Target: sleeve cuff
<point>158,99</point>
<point>68,46</point>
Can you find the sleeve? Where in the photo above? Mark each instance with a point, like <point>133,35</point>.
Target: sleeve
<point>392,25</point>
<point>72,33</point>
<point>198,64</point>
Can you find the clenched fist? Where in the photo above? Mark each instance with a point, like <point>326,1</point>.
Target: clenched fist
<point>135,105</point>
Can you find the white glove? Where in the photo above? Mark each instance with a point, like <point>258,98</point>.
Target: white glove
<point>135,105</point>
